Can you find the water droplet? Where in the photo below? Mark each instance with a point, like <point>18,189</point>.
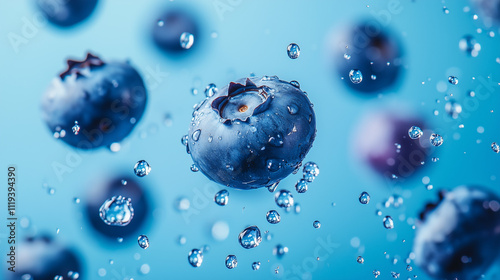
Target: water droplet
<point>355,76</point>
<point>394,274</point>
<point>436,139</point>
<point>231,261</point>
<point>256,265</point>
<point>310,171</point>
<point>469,45</point>
<point>453,109</point>
<point>142,168</point>
<point>272,187</point>
<point>415,132</point>
<point>73,275</point>
<point>284,199</point>
<point>453,80</point>
<point>194,168</point>
<point>210,90</point>
<point>143,241</point>
<point>195,257</point>
<point>280,250</point>
<point>364,198</point>
<point>273,217</point>
<point>221,197</point>
<point>316,224</point>
<point>117,211</point>
<point>429,187</point>
<point>388,222</point>
<point>58,277</point>
<point>360,259</point>
<point>250,237</point>
<point>376,273</point>
<point>182,203</point>
<point>292,109</point>
<point>295,84</point>
<point>373,77</point>
<point>276,140</point>
<point>51,191</point>
<point>76,128</point>
<point>495,147</point>
<point>347,56</point>
<point>297,208</point>
<point>293,51</point>
<point>186,40</point>
<point>160,23</point>
<point>196,135</point>
<point>409,268</point>
<point>446,10</point>
<point>301,186</point>
<point>273,165</point>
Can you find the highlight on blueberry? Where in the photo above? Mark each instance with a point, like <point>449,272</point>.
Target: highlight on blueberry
<point>458,237</point>
<point>66,13</point>
<point>252,133</point>
<point>107,99</point>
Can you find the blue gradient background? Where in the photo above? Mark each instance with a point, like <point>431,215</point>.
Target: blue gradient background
<point>252,38</point>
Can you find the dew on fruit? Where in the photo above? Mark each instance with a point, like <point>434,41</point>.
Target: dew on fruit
<point>117,211</point>
<point>250,237</point>
<point>143,241</point>
<point>301,186</point>
<point>272,187</point>
<point>415,132</point>
<point>436,139</point>
<point>273,165</point>
<point>196,135</point>
<point>210,90</point>
<point>316,224</point>
<point>221,198</point>
<point>364,198</point>
<point>293,51</point>
<point>186,40</point>
<point>295,84</point>
<point>273,217</point>
<point>194,168</point>
<point>284,199</point>
<point>76,128</point>
<point>195,257</point>
<point>231,261</point>
<point>388,222</point>
<point>356,76</point>
<point>185,140</point>
<point>142,168</point>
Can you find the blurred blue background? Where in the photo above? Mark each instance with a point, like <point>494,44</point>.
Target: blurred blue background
<point>236,39</point>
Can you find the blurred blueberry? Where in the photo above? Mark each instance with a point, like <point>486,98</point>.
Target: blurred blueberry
<point>459,237</point>
<point>66,13</point>
<point>382,141</point>
<point>489,10</point>
<point>170,25</point>
<point>43,259</point>
<point>106,189</point>
<point>372,50</point>
<point>106,99</point>
<point>252,133</point>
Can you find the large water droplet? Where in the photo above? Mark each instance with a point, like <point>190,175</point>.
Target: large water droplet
<point>356,76</point>
<point>284,199</point>
<point>293,51</point>
<point>415,132</point>
<point>436,139</point>
<point>117,211</point>
<point>453,80</point>
<point>143,241</point>
<point>142,168</point>
<point>364,198</point>
<point>221,197</point>
<point>388,222</point>
<point>273,217</point>
<point>360,259</point>
<point>186,40</point>
<point>231,261</point>
<point>301,186</point>
<point>273,165</point>
<point>195,257</point>
<point>250,237</point>
<point>310,171</point>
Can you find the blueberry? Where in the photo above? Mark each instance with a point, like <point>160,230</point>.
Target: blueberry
<point>66,13</point>
<point>252,133</point>
<point>106,99</point>
<point>489,10</point>
<point>106,189</point>
<point>382,141</point>
<point>43,259</point>
<point>459,237</point>
<point>369,49</point>
<point>168,28</point>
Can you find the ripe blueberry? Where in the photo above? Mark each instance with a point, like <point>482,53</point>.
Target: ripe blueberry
<point>373,51</point>
<point>459,237</point>
<point>106,99</point>
<point>252,133</point>
<point>168,28</point>
<point>66,13</point>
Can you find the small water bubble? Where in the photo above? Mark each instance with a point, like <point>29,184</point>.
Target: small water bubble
<point>409,268</point>
<point>143,241</point>
<point>292,109</point>
<point>347,56</point>
<point>221,197</point>
<point>415,132</point>
<point>185,140</point>
<point>293,51</point>
<point>284,199</point>
<point>73,275</point>
<point>364,198</point>
<point>295,84</point>
<point>453,109</point>
<point>160,23</point>
<point>453,80</point>
<point>231,261</point>
<point>376,273</point>
<point>194,91</point>
<point>355,76</point>
<point>446,10</point>
<point>194,168</point>
<point>196,135</point>
<point>182,204</point>
<point>117,211</point>
<point>195,257</point>
<point>76,200</point>
<point>76,128</point>
<point>388,222</point>
<point>273,217</point>
<point>142,168</point>
<point>58,277</point>
<point>51,191</point>
<point>250,237</point>
<point>186,40</point>
<point>316,224</point>
<point>378,213</point>
<point>280,250</point>
<point>436,139</point>
<point>360,259</point>
<point>373,77</point>
<point>210,90</point>
<point>429,187</point>
<point>310,171</point>
<point>297,208</point>
<point>495,147</point>
<point>469,45</point>
<point>256,265</point>
<point>301,186</point>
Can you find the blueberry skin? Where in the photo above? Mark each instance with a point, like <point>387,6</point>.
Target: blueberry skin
<point>375,144</point>
<point>65,13</point>
<point>106,99</point>
<point>466,222</point>
<point>256,137</point>
<point>366,45</point>
<point>109,188</point>
<point>43,259</point>
<point>175,22</point>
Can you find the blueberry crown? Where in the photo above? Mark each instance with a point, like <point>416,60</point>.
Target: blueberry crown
<point>75,66</point>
